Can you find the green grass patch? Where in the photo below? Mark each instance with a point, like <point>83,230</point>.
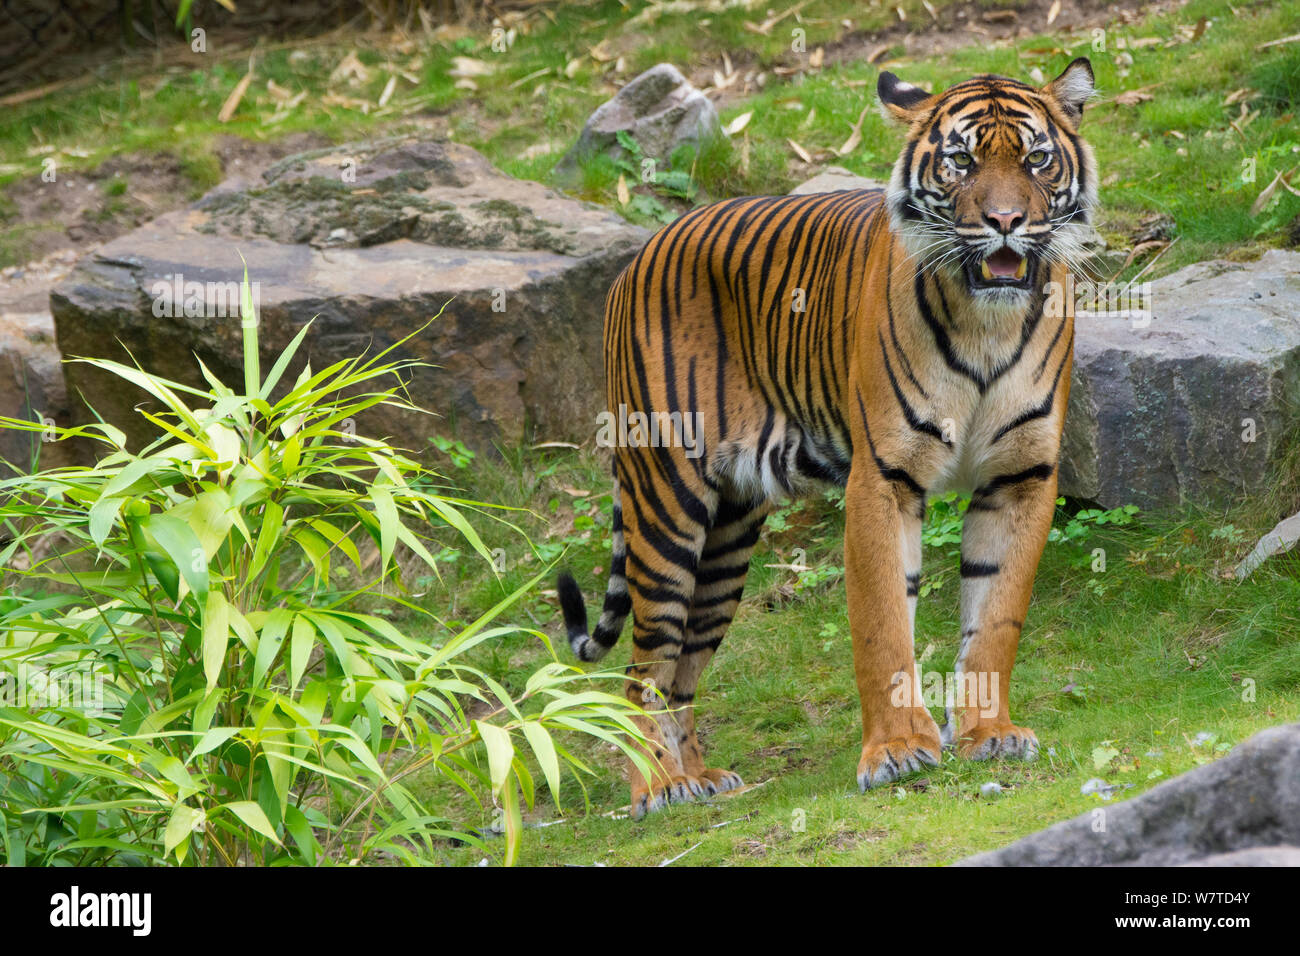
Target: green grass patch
<point>1139,661</point>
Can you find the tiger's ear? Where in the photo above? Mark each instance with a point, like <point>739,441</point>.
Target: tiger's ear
<point>899,101</point>
<point>1073,88</point>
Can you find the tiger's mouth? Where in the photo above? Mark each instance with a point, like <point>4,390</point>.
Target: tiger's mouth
<point>1004,269</point>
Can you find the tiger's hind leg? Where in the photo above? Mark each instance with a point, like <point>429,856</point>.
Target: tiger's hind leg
<point>665,526</point>
<point>719,581</point>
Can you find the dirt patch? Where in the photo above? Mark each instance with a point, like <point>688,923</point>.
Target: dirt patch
<point>81,210</point>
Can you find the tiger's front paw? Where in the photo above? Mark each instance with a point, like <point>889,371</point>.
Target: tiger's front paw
<point>649,799</point>
<point>1005,741</point>
<point>885,762</point>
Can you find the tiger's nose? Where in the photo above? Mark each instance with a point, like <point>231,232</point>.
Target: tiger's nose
<point>1004,220</point>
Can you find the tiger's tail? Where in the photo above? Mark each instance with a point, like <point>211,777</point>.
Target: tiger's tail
<point>618,602</point>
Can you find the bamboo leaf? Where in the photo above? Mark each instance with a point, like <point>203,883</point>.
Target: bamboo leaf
<point>216,632</point>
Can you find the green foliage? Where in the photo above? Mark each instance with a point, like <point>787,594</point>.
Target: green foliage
<point>674,182</point>
<point>220,603</point>
<point>461,457</point>
<point>1086,520</point>
<point>943,520</point>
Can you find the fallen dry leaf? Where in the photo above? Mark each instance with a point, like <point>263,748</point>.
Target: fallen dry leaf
<point>536,74</point>
<point>1266,194</point>
<point>278,92</point>
<point>817,57</point>
<point>624,197</point>
<point>347,102</point>
<point>1141,249</point>
<point>1133,97</point>
<point>466,67</point>
<point>1295,37</point>
<point>739,123</point>
<point>232,101</point>
<point>385,96</point>
<point>800,151</point>
<point>765,27</point>
<point>1054,12</point>
<point>1199,31</point>
<point>855,136</point>
<point>350,68</point>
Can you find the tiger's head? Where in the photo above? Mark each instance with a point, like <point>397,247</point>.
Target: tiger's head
<point>994,184</point>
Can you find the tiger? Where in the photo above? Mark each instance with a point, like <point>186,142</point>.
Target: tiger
<point>899,343</point>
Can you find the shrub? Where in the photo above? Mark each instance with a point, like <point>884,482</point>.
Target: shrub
<point>207,597</point>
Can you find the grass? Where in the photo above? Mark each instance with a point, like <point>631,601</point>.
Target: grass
<point>1185,152</point>
<point>1132,674</point>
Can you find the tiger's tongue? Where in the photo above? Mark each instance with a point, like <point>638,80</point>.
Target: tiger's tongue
<point>1004,263</point>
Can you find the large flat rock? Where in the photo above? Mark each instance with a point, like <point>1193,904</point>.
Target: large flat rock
<point>370,241</point>
<point>1242,810</point>
<point>1192,404</point>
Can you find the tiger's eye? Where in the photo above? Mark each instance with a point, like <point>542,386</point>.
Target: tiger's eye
<point>1037,158</point>
<point>961,160</point>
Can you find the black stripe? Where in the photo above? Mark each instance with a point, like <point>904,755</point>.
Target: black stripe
<point>710,645</point>
<point>1041,410</point>
<point>655,640</point>
<point>1041,472</point>
<point>978,569</point>
<point>914,421</point>
<point>888,472</point>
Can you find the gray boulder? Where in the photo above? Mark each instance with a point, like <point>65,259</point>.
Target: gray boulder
<point>32,387</point>
<point>372,241</point>
<point>834,179</point>
<point>1193,402</point>
<point>660,109</point>
<point>1242,810</point>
